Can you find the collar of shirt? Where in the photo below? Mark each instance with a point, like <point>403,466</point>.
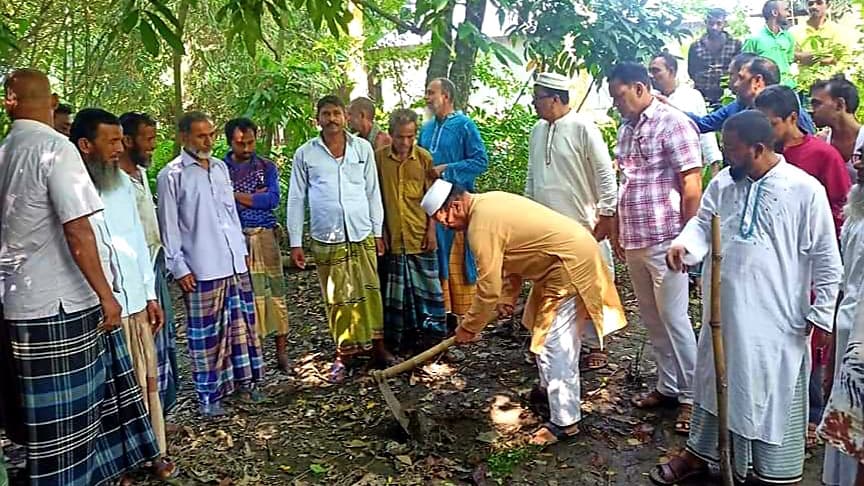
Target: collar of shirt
<point>229,160</point>
<point>647,113</point>
<point>349,141</point>
<point>412,156</point>
<point>770,33</point>
<point>188,159</point>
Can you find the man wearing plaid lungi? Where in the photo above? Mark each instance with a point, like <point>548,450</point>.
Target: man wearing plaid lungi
<point>206,253</point>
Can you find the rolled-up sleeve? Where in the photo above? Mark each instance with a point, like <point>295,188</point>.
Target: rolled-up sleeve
<point>70,188</point>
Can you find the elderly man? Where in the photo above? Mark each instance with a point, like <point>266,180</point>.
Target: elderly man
<point>709,57</point>
<point>516,239</point>
<point>139,141</point>
<point>98,136</point>
<point>205,251</point>
<point>256,190</point>
<point>361,119</point>
<point>460,157</point>
<point>778,243</point>
<point>336,172</point>
<point>774,40</point>
<point>659,156</point>
<point>71,374</point>
<point>570,171</point>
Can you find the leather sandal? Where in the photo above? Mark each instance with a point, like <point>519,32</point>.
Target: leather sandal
<point>675,471</point>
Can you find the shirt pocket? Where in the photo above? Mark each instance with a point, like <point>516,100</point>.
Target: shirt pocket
<point>355,173</point>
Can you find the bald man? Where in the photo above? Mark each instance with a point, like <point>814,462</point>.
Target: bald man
<point>67,361</point>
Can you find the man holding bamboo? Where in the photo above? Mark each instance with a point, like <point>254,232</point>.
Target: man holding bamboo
<point>778,243</point>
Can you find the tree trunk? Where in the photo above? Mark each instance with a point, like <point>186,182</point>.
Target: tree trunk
<point>177,62</point>
<point>462,70</point>
<point>439,60</point>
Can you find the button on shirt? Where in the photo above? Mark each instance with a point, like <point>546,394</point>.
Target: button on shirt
<point>569,169</point>
<point>198,218</point>
<point>121,233</point>
<point>344,197</point>
<point>652,153</point>
<point>43,184</point>
<point>403,184</point>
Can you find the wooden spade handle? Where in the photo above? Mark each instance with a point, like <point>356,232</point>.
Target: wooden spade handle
<point>416,361</point>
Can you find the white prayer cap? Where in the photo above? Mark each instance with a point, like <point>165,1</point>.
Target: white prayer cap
<point>435,196</point>
<point>553,81</point>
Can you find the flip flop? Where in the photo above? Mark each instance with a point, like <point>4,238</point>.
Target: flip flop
<point>559,434</point>
<point>653,399</point>
<point>674,472</point>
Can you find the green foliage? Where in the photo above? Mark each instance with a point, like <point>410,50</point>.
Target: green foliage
<point>821,47</point>
<point>503,462</point>
<point>506,137</point>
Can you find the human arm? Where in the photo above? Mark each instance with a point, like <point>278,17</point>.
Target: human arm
<point>487,244</point>
<point>82,245</point>
<point>681,144</point>
<point>169,225</point>
<point>529,176</point>
<point>268,198</point>
<point>605,184</point>
<point>296,201</point>
<point>373,192</point>
<point>819,242</point>
<point>476,161</point>
<point>713,122</point>
<point>692,244</point>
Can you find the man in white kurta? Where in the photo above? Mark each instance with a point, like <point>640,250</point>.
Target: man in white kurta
<point>570,171</point>
<point>839,468</point>
<point>778,243</point>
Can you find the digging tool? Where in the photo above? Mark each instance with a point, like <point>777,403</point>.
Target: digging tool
<point>719,356</point>
<point>382,376</point>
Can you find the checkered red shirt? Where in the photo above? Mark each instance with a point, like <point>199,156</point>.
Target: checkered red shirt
<point>652,153</point>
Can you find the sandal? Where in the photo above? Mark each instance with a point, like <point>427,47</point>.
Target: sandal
<point>682,421</point>
<point>595,359</point>
<point>653,399</point>
<point>675,471</point>
<point>338,373</point>
<point>559,434</point>
<point>164,469</point>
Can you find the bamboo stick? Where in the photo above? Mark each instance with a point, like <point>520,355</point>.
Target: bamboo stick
<point>719,356</point>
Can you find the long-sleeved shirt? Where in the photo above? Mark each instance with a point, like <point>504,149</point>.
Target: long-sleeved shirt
<point>403,184</point>
<point>344,197</point>
<point>689,100</point>
<point>517,239</point>
<point>778,243</point>
<point>706,67</point>
<point>121,232</point>
<point>147,213</point>
<point>713,122</point>
<point>570,170</point>
<point>260,178</point>
<point>201,231</point>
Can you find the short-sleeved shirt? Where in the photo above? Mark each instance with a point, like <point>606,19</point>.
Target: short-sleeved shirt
<point>403,185</point>
<point>43,185</point>
<point>779,47</point>
<point>652,153</point>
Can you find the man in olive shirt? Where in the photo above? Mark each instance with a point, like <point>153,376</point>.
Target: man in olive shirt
<point>516,239</point>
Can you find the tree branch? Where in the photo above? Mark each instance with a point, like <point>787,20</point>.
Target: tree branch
<point>367,5</point>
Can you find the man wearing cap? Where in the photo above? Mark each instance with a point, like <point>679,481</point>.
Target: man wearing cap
<point>516,239</point>
<point>570,171</point>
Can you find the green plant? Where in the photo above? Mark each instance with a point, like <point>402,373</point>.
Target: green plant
<point>502,463</point>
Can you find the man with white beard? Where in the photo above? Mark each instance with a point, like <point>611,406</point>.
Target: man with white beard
<point>839,467</point>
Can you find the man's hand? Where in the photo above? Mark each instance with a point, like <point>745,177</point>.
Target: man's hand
<point>661,98</point>
<point>435,172</point>
<point>155,316</point>
<point>111,312</point>
<point>504,310</point>
<point>188,283</point>
<point>430,240</point>
<point>464,336</point>
<point>298,257</point>
<point>604,228</point>
<point>617,249</point>
<point>380,246</point>
<point>675,258</point>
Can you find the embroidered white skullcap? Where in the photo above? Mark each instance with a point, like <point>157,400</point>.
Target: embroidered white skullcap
<point>553,81</point>
<point>435,196</point>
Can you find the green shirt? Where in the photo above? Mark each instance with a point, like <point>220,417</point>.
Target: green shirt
<point>779,47</point>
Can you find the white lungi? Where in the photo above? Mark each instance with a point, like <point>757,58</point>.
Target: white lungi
<point>663,297</point>
<point>558,364</point>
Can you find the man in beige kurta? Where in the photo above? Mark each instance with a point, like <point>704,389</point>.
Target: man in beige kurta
<point>516,239</point>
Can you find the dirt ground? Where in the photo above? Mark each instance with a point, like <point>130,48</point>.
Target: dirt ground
<point>472,418</point>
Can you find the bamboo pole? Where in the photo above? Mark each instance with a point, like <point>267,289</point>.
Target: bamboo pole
<point>719,356</point>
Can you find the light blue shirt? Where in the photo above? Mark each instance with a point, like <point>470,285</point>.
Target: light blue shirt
<point>119,230</point>
<point>198,217</point>
<point>344,197</point>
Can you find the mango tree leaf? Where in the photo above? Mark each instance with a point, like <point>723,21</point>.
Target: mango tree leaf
<point>167,34</point>
<point>129,21</point>
<point>148,38</point>
<point>166,12</point>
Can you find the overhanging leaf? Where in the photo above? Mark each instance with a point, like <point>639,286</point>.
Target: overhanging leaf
<point>166,12</point>
<point>148,38</point>
<point>167,34</point>
<point>129,21</point>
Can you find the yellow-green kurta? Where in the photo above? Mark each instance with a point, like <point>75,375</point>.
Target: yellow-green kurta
<point>516,239</point>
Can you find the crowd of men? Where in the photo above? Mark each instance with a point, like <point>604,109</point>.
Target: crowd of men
<point>407,252</point>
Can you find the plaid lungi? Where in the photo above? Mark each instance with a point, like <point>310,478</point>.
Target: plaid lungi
<point>139,338</point>
<point>458,291</point>
<point>352,294</point>
<point>413,299</point>
<point>268,282</point>
<point>166,340</point>
<point>85,420</point>
<point>769,463</point>
<point>223,347</point>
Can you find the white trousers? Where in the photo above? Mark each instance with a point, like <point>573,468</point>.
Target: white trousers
<point>589,334</point>
<point>663,296</point>
<point>558,364</point>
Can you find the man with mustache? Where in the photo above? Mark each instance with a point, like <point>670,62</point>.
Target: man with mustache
<point>98,136</point>
<point>835,102</point>
<point>460,157</point>
<point>336,172</point>
<point>778,243</point>
<point>139,141</point>
<point>709,57</point>
<point>205,251</point>
<point>819,32</point>
<point>774,40</point>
